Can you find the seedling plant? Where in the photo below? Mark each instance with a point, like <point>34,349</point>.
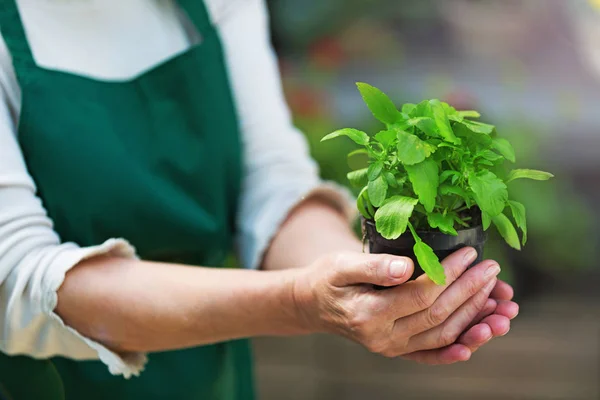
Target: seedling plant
<point>432,167</point>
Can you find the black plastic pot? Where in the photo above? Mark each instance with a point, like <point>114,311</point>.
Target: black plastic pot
<point>443,245</point>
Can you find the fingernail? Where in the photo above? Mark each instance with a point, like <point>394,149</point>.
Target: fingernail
<point>470,257</point>
<point>398,268</point>
<point>492,271</point>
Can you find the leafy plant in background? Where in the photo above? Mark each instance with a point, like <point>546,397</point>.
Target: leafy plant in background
<point>435,168</point>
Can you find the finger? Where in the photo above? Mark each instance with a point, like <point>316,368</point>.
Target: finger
<point>467,286</point>
<point>377,269</point>
<point>476,336</point>
<point>482,333</point>
<point>447,333</point>
<point>502,291</point>
<point>488,309</point>
<point>506,309</point>
<point>509,309</point>
<point>499,324</point>
<point>447,355</point>
<point>421,293</point>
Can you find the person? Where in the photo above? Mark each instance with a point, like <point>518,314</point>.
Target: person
<point>140,143</point>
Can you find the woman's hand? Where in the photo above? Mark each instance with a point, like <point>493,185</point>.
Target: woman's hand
<point>416,319</point>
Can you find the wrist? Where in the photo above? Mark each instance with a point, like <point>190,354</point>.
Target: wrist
<point>304,300</point>
<point>281,313</point>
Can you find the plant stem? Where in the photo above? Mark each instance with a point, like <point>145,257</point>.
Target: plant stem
<point>414,234</point>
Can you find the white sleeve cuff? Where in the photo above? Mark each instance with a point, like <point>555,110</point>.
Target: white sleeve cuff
<point>44,334</point>
<point>126,364</point>
<point>254,244</point>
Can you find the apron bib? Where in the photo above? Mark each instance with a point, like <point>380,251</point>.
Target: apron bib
<point>156,160</point>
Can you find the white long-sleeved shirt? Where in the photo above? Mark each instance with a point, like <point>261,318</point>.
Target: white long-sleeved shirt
<point>114,40</point>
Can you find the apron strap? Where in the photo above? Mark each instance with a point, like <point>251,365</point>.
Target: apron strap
<point>197,12</point>
<point>16,41</point>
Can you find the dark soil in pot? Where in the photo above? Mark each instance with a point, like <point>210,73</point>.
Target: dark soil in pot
<point>443,245</point>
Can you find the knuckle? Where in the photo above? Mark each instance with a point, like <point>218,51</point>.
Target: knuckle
<point>471,287</point>
<point>436,314</point>
<point>336,259</point>
<point>421,299</point>
<point>375,305</point>
<point>454,269</point>
<point>376,345</point>
<point>382,346</point>
<point>364,313</point>
<point>453,273</point>
<point>447,336</point>
<point>389,353</point>
<point>478,303</point>
<point>371,266</point>
<point>359,324</point>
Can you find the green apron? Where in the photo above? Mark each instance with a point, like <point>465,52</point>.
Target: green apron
<point>156,160</point>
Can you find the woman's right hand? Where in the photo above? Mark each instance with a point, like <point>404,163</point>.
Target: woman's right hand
<point>336,294</point>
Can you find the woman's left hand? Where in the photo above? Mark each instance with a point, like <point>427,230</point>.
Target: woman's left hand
<point>492,321</point>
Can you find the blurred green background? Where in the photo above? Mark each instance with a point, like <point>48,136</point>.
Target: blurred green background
<point>523,64</point>
<point>532,67</point>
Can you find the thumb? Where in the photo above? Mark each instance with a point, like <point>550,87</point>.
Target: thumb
<point>377,269</point>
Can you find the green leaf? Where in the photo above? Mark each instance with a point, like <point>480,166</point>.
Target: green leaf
<point>423,109</point>
<point>374,170</point>
<point>392,217</point>
<point>475,141</point>
<point>456,118</point>
<point>458,191</point>
<point>411,149</point>
<point>447,174</point>
<point>478,127</point>
<point>401,181</point>
<point>442,122</point>
<point>390,179</point>
<point>408,108</point>
<point>425,124</point>
<point>364,204</point>
<point>448,109</point>
<point>428,261</point>
<point>425,180</point>
<point>469,114</point>
<point>518,212</point>
<point>358,136</point>
<point>379,103</point>
<point>486,220</point>
<point>386,138</point>
<point>377,189</point>
<point>528,174</point>
<point>486,162</point>
<point>358,178</point>
<point>357,152</point>
<point>489,191</point>
<point>490,155</point>
<point>416,120</point>
<point>504,147</point>
<point>444,223</point>
<point>448,145</point>
<point>507,230</point>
